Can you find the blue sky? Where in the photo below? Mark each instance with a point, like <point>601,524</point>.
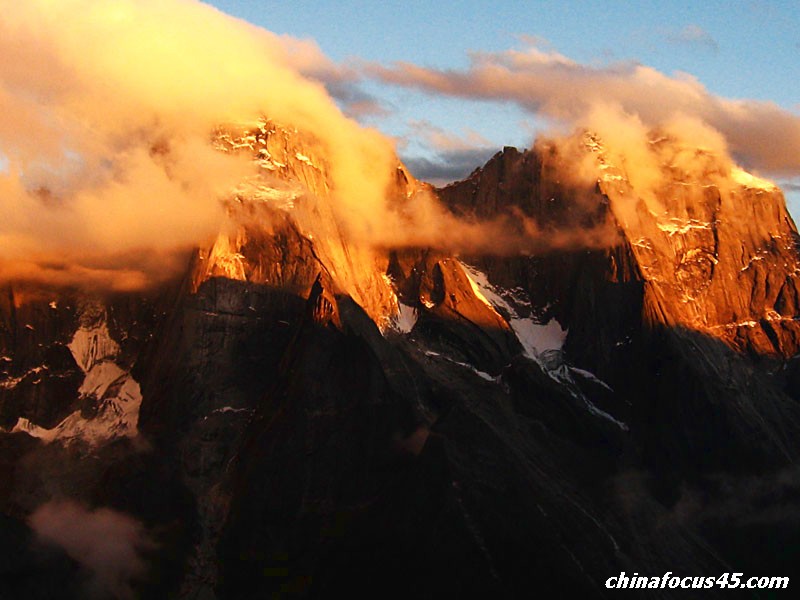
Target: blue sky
<point>737,50</point>
<point>751,49</point>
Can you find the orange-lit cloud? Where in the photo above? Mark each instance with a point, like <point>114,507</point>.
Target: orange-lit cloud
<point>106,114</point>
<point>761,135</point>
<point>109,174</point>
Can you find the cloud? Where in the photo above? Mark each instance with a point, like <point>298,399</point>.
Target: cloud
<point>439,139</point>
<point>109,172</point>
<point>110,169</point>
<point>693,36</point>
<point>446,156</point>
<point>790,186</point>
<point>342,82</point>
<point>448,165</point>
<point>355,102</point>
<point>107,543</point>
<point>761,135</point>
<point>106,115</point>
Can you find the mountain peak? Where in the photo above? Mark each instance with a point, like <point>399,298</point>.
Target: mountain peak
<point>691,224</point>
<point>257,413</point>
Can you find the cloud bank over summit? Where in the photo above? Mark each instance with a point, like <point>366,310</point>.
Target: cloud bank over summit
<point>545,83</point>
<point>106,114</point>
<point>109,174</point>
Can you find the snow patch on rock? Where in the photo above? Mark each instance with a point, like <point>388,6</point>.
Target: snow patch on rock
<point>541,343</point>
<point>116,415</point>
<point>535,338</point>
<point>564,375</point>
<point>91,345</point>
<point>112,394</point>
<point>405,319</point>
<point>674,226</point>
<point>482,374</point>
<point>12,382</point>
<point>745,179</point>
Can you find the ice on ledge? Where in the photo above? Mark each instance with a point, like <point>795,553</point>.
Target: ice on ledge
<point>745,179</point>
<point>681,227</point>
<point>534,337</point>
<point>406,318</point>
<point>90,345</point>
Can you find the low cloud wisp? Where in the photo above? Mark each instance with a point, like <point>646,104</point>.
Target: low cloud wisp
<point>106,543</point>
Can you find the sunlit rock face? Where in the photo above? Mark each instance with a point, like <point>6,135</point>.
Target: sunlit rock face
<point>283,229</point>
<point>700,279</point>
<point>713,247</point>
<point>716,248</point>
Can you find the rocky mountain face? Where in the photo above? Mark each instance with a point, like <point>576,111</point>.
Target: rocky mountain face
<point>303,416</point>
<point>695,295</point>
